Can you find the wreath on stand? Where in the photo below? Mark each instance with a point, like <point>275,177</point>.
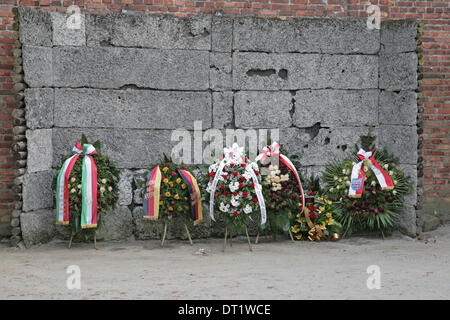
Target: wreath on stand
<point>86,188</point>
<point>170,193</point>
<point>234,191</point>
<point>282,189</point>
<point>369,188</point>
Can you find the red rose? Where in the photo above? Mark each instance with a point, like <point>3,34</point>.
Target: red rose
<point>103,204</point>
<point>312,193</point>
<point>172,203</point>
<point>163,177</point>
<point>162,196</point>
<point>183,167</point>
<point>226,193</point>
<point>232,164</point>
<point>245,159</point>
<point>235,194</point>
<point>211,174</point>
<point>225,176</point>
<point>243,164</point>
<point>174,173</point>
<point>165,213</point>
<point>241,185</point>
<point>256,172</point>
<point>186,199</point>
<point>235,173</point>
<point>222,187</point>
<point>235,214</point>
<point>245,194</point>
<point>252,184</point>
<point>168,163</point>
<point>312,207</point>
<point>243,178</point>
<point>255,200</point>
<point>174,215</point>
<point>313,216</point>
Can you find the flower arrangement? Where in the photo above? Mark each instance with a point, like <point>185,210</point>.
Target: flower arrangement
<point>369,189</point>
<point>233,185</point>
<point>317,222</point>
<point>86,188</point>
<point>172,193</point>
<point>281,189</point>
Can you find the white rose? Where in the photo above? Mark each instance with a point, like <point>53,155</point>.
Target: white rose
<point>386,166</point>
<point>79,186</point>
<point>73,190</point>
<point>109,188</point>
<point>347,183</point>
<point>102,189</point>
<point>72,179</point>
<point>104,180</point>
<point>373,183</point>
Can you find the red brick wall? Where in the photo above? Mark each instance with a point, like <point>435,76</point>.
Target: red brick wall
<point>435,91</point>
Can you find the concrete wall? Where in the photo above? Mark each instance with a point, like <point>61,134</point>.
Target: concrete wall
<point>129,80</point>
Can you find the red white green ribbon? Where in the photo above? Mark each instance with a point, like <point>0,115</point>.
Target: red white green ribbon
<point>359,174</point>
<point>274,150</point>
<point>88,187</point>
<point>62,186</point>
<point>152,194</point>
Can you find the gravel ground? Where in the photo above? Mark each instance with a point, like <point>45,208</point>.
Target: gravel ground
<point>410,269</point>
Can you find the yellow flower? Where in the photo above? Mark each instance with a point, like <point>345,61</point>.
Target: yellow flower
<point>300,220</point>
<point>299,236</point>
<point>166,180</point>
<point>328,202</point>
<point>176,196</point>
<point>186,207</point>
<point>322,227</point>
<point>171,183</point>
<point>328,215</point>
<point>330,221</point>
<point>160,203</point>
<point>178,180</point>
<point>321,208</point>
<point>183,186</point>
<point>165,169</point>
<point>295,229</point>
<point>320,198</point>
<point>167,194</point>
<point>170,209</point>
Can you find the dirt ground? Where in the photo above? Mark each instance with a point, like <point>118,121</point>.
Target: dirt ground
<point>409,268</point>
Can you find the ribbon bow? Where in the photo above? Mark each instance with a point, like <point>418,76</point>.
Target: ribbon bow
<point>268,151</point>
<point>359,174</point>
<point>88,187</point>
<point>274,150</point>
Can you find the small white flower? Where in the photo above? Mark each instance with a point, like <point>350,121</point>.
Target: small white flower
<point>353,163</point>
<point>102,189</point>
<point>338,187</point>
<point>340,180</point>
<point>79,186</point>
<point>373,183</point>
<point>72,179</point>
<point>394,192</point>
<point>247,209</point>
<point>335,178</point>
<point>395,181</point>
<point>234,202</point>
<point>110,188</point>
<point>104,180</point>
<point>391,173</point>
<point>73,190</point>
<point>224,207</point>
<point>386,166</point>
<point>347,183</point>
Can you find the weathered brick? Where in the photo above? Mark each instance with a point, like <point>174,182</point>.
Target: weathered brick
<point>291,71</point>
<point>139,109</point>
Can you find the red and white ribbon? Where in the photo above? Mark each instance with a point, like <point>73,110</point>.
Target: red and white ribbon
<point>274,150</point>
<point>359,174</point>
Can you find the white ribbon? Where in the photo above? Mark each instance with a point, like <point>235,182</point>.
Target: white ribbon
<point>259,195</point>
